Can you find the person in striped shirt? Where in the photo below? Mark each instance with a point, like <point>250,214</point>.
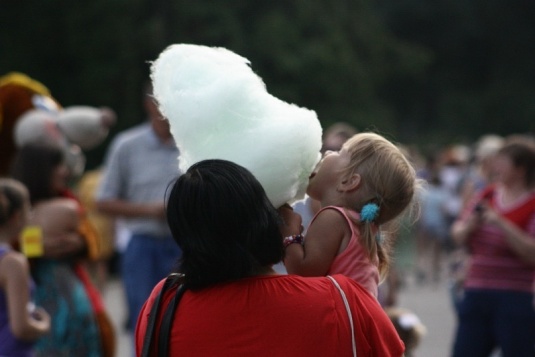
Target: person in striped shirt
<point>498,228</point>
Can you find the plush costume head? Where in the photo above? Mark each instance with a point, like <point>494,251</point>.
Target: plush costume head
<point>29,114</point>
<point>218,108</point>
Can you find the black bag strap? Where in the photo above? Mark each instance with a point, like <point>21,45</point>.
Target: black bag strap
<point>167,321</point>
<point>170,281</point>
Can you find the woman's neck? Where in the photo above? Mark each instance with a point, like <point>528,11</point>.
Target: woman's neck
<point>513,193</point>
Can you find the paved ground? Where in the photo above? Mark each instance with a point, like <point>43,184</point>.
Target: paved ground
<point>429,302</point>
<point>432,305</point>
<point>115,304</point>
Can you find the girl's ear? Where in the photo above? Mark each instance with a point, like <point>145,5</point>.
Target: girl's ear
<point>351,183</point>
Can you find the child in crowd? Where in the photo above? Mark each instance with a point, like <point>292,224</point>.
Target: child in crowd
<point>368,183</point>
<point>21,322</point>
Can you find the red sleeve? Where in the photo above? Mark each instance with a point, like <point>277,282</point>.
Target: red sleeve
<point>485,194</point>
<point>374,332</point>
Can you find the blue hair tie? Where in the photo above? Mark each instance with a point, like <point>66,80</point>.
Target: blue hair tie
<point>369,212</point>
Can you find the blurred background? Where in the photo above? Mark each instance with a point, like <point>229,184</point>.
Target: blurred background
<point>423,72</point>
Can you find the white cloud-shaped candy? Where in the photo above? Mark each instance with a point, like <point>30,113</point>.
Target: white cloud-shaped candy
<point>218,108</point>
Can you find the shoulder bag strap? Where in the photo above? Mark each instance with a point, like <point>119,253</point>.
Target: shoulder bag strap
<point>348,310</point>
<point>167,321</point>
<point>149,332</point>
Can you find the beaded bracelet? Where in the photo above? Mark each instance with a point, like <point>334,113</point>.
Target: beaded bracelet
<point>297,238</point>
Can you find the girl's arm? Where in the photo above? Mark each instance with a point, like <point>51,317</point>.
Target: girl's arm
<point>321,245</point>
<point>21,322</point>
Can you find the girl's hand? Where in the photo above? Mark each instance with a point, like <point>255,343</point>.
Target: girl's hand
<point>291,221</point>
<point>40,314</point>
<point>42,317</point>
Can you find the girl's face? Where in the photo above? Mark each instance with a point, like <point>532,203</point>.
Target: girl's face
<point>60,176</point>
<point>328,174</point>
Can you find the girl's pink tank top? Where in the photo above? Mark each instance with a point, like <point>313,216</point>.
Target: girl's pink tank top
<point>353,261</point>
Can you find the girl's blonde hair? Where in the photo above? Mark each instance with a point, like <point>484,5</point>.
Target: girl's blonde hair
<point>388,180</point>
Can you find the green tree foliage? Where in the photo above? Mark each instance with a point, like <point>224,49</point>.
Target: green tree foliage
<point>482,77</point>
<point>415,70</point>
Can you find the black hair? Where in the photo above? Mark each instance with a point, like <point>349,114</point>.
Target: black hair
<point>33,166</point>
<point>12,198</point>
<point>224,223</point>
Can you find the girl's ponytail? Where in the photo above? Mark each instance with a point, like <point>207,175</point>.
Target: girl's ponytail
<point>375,241</point>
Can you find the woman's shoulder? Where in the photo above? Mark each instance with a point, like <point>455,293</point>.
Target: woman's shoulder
<point>344,282</point>
<point>318,287</point>
<point>57,206</point>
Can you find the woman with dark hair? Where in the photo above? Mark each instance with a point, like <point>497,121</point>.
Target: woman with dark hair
<point>230,301</point>
<point>498,228</point>
<point>45,175</point>
<point>79,325</point>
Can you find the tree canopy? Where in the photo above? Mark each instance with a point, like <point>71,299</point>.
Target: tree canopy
<point>418,71</point>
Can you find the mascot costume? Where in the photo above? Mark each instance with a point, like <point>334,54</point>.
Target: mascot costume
<point>29,114</point>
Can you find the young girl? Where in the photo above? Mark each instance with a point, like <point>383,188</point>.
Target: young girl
<point>20,321</point>
<point>368,183</point>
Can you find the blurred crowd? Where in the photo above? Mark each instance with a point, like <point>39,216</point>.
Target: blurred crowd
<point>110,223</point>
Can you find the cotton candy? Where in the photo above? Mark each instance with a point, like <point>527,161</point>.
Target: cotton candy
<point>218,108</point>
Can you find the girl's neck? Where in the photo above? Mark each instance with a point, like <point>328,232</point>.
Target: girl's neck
<point>346,202</point>
<point>315,205</point>
<point>336,198</point>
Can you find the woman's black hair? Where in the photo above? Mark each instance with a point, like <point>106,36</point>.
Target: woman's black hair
<point>224,223</point>
<point>33,166</point>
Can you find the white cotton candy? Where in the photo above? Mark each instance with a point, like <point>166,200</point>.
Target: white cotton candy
<point>218,108</point>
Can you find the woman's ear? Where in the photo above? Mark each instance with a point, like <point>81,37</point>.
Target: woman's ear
<point>350,183</point>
